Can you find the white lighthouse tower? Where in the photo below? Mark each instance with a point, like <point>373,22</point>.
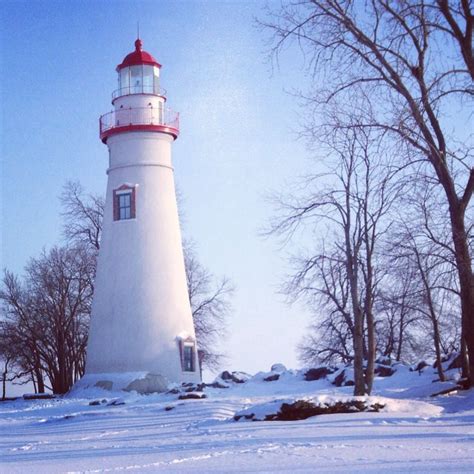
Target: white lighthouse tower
<point>141,325</point>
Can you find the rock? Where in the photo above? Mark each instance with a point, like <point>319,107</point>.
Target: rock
<point>192,387</point>
<point>39,396</point>
<point>339,379</point>
<point>318,373</point>
<point>302,409</point>
<point>272,378</point>
<point>419,367</point>
<point>456,363</point>
<point>299,410</point>
<point>236,377</point>
<point>152,383</point>
<point>383,371</point>
<point>383,360</point>
<point>444,358</point>
<point>192,395</point>
<point>226,375</point>
<point>116,403</point>
<point>454,388</point>
<point>343,379</point>
<point>250,416</point>
<point>278,368</point>
<point>217,385</point>
<point>241,377</point>
<point>105,384</point>
<point>97,402</point>
<point>173,391</point>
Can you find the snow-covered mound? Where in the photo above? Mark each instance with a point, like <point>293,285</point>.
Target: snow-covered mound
<point>140,382</point>
<point>296,408</point>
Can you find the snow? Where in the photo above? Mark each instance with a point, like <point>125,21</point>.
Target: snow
<point>128,432</point>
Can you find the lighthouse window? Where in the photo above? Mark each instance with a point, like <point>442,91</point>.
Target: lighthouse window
<point>124,203</point>
<point>188,358</point>
<point>125,206</point>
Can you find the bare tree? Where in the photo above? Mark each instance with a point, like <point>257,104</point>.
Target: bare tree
<point>20,331</point>
<point>397,314</point>
<point>48,314</point>
<point>83,215</point>
<point>401,66</point>
<point>10,355</point>
<point>210,307</point>
<point>422,247</point>
<point>321,280</point>
<point>425,268</point>
<point>355,207</point>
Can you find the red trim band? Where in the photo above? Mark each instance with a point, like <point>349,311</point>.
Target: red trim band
<point>139,128</point>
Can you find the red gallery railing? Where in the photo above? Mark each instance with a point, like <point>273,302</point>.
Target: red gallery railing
<point>141,118</point>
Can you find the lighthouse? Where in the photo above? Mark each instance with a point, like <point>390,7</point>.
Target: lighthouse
<point>142,332</point>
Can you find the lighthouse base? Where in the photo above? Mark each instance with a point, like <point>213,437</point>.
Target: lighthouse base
<point>140,382</point>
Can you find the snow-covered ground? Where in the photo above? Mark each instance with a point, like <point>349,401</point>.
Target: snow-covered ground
<point>159,433</point>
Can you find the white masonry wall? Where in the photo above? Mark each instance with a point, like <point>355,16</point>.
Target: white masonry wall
<point>141,305</point>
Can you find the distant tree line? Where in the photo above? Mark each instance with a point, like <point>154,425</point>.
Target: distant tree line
<point>45,314</point>
<point>387,220</point>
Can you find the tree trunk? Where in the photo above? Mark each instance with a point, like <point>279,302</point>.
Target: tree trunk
<point>464,358</point>
<point>359,379</point>
<point>35,386</point>
<point>61,385</point>
<point>437,343</point>
<point>400,336</point>
<point>436,334</point>
<point>371,343</point>
<point>431,312</point>
<point>466,284</point>
<point>39,380</point>
<point>358,343</point>
<point>4,382</point>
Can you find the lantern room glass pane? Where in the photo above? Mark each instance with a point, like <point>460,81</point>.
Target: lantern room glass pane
<point>148,79</point>
<point>156,80</point>
<point>124,81</point>
<point>136,79</point>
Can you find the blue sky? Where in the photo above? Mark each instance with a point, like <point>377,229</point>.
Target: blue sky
<point>238,138</point>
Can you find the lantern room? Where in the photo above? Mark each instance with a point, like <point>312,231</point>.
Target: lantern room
<point>139,73</point>
<point>139,101</point>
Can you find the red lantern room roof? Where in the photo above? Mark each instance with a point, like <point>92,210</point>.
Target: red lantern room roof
<point>138,57</point>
